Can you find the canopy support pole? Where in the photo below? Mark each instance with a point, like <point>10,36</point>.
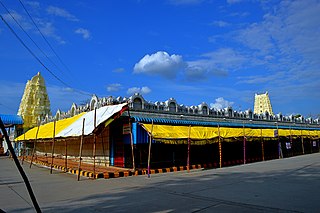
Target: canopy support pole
<point>25,146</point>
<point>104,154</point>
<point>279,144</point>
<point>189,142</point>
<point>66,158</point>
<point>131,142</point>
<point>220,148</point>
<point>302,145</point>
<point>52,150</point>
<point>46,153</point>
<point>94,143</point>
<point>244,144</point>
<point>34,145</point>
<point>149,152</point>
<point>80,152</point>
<point>291,143</point>
<point>262,145</point>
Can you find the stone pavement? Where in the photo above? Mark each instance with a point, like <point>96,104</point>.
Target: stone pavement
<point>285,185</point>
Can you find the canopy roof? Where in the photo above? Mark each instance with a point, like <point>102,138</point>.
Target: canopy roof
<point>73,126</point>
<point>11,119</point>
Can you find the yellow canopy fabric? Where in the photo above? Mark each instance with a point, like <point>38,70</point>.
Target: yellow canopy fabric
<point>73,127</point>
<point>46,130</point>
<point>171,132</point>
<point>181,132</point>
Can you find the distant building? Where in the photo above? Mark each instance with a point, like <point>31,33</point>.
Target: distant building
<point>35,104</point>
<point>262,104</point>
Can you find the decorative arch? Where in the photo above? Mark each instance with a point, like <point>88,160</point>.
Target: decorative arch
<point>171,105</point>
<point>73,110</point>
<point>93,102</point>
<point>137,103</point>
<point>58,115</point>
<point>203,109</point>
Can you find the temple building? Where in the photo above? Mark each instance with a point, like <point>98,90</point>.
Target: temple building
<point>35,104</point>
<point>262,104</point>
<point>118,132</point>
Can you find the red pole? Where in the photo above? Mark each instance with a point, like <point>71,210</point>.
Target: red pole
<point>189,142</point>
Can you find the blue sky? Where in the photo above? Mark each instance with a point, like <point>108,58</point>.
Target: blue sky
<point>218,52</point>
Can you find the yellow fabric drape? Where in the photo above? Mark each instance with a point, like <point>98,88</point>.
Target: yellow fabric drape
<point>46,130</point>
<point>181,132</point>
<point>200,133</point>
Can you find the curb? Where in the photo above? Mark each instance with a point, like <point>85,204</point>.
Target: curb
<point>117,174</point>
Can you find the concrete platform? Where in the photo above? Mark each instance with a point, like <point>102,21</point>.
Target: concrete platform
<point>285,185</point>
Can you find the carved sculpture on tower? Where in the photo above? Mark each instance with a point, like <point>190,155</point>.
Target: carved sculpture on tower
<point>35,103</point>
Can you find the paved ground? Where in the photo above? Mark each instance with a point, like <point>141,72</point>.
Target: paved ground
<point>286,185</point>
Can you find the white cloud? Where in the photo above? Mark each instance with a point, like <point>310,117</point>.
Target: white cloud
<point>200,73</point>
<point>113,87</point>
<point>221,103</point>
<point>142,90</point>
<point>49,30</point>
<point>84,32</point>
<point>223,59</point>
<point>160,63</point>
<point>60,12</point>
<point>46,28</point>
<point>291,28</point>
<point>19,18</point>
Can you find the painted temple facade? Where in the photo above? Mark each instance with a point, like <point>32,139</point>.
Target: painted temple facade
<point>35,103</point>
<point>262,104</point>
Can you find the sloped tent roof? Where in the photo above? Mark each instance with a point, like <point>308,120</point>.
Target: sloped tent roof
<point>71,127</point>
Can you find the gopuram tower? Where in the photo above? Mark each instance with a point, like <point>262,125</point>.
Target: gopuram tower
<point>35,102</point>
<point>262,104</point>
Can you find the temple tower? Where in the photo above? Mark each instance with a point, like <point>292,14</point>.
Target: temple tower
<point>35,104</point>
<point>262,104</point>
